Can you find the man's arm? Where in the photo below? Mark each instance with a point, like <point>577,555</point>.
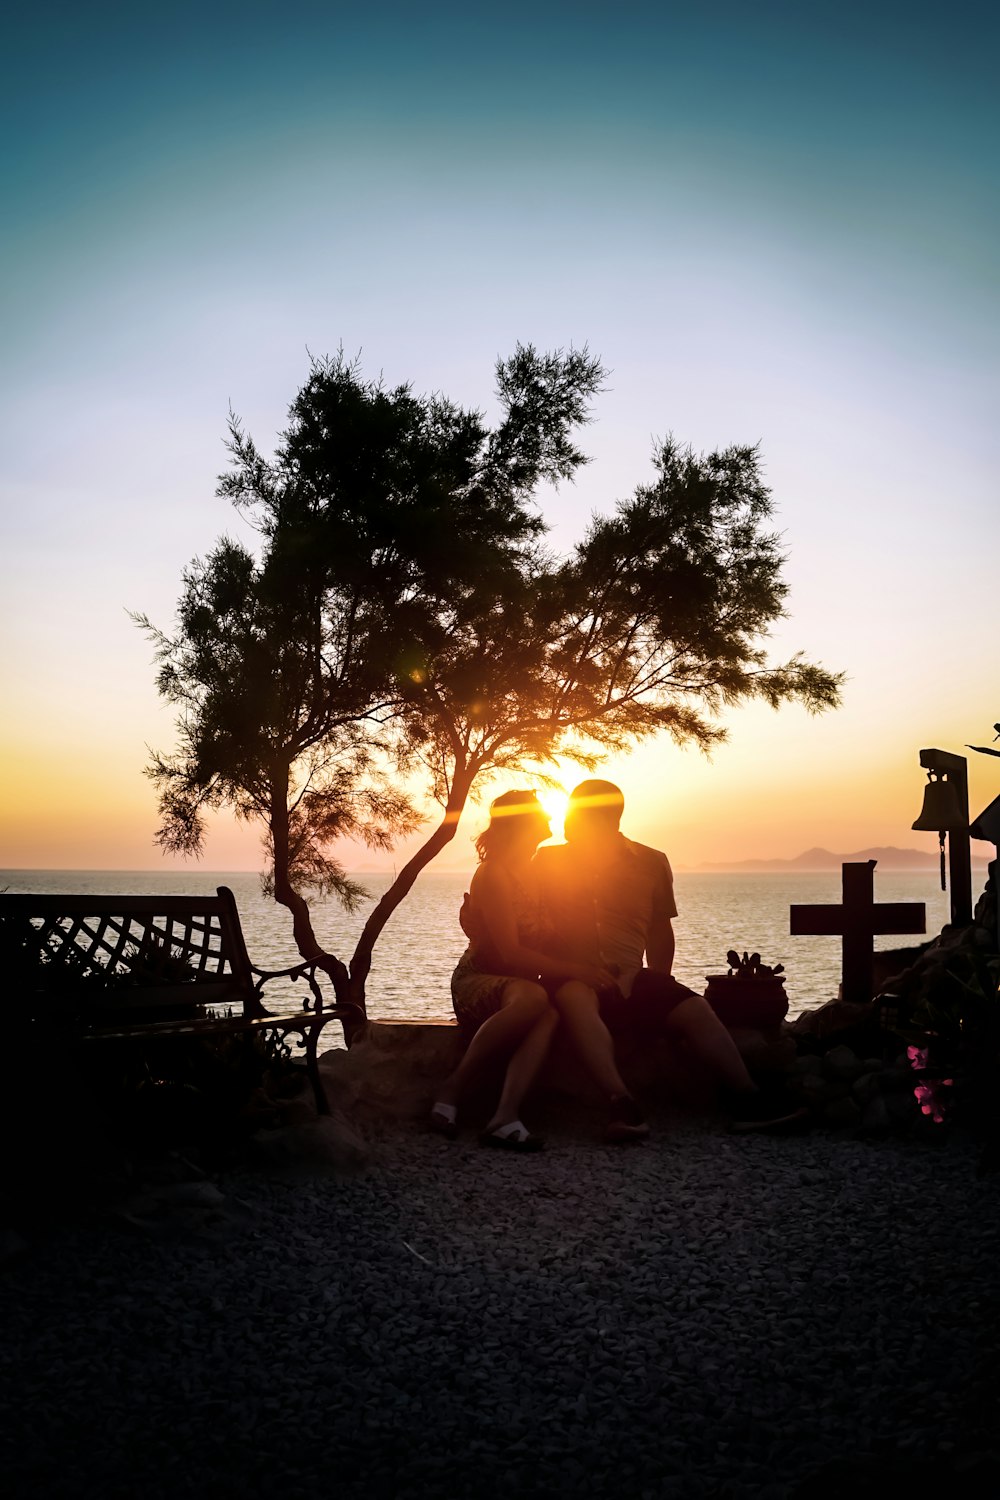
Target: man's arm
<point>660,947</point>
<point>660,937</point>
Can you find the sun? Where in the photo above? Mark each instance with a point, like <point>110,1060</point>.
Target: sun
<point>555,801</point>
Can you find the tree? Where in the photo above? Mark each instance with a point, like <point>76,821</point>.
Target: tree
<point>273,724</point>
<point>385,519</point>
<point>405,614</point>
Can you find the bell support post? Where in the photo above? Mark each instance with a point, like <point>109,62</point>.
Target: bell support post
<point>956,769</point>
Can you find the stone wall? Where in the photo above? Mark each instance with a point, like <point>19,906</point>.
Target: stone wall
<point>393,1069</point>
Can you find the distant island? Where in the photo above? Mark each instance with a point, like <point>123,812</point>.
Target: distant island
<point>822,859</point>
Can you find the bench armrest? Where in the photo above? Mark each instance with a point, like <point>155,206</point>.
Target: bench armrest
<point>305,970</point>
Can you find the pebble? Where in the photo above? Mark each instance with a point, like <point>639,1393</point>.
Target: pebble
<point>705,1315</point>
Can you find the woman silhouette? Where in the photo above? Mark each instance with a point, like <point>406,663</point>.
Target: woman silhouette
<point>501,985</point>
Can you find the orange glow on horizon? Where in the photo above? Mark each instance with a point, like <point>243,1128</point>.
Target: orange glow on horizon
<point>783,784</point>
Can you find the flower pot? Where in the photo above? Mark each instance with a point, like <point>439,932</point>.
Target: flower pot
<point>739,1001</point>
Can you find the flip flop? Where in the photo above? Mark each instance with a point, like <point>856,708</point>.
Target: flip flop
<point>511,1137</point>
<point>443,1120</point>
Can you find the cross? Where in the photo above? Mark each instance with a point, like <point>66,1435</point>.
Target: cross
<point>858,919</point>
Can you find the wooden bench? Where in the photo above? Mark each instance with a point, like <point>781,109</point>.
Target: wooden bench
<point>117,967</point>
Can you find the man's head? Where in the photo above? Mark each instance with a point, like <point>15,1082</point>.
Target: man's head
<point>594,812</point>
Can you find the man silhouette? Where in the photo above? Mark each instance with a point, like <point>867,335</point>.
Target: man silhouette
<point>612,900</point>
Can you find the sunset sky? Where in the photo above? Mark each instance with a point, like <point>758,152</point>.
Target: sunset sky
<point>773,222</point>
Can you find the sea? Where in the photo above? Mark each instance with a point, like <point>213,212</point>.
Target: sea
<point>421,944</point>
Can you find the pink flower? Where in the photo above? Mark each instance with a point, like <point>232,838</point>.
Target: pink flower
<point>918,1056</point>
<point>930,1096</point>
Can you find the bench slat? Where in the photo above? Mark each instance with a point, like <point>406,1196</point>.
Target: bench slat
<point>161,996</point>
<point>81,905</point>
<point>212,1025</point>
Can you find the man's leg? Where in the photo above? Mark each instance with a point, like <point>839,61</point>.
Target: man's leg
<point>579,1011</point>
<point>580,1014</point>
<point>695,1022</point>
<point>662,1006</point>
<point>667,1007</point>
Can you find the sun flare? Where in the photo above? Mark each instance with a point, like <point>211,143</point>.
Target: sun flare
<point>555,801</point>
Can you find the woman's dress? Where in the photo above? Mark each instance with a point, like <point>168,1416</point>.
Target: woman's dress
<point>478,983</point>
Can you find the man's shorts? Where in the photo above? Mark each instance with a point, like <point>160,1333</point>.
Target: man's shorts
<point>647,1009</point>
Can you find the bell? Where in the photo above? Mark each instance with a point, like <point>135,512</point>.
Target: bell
<point>941,810</point>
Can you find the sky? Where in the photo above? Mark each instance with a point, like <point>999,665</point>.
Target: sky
<point>775,224</point>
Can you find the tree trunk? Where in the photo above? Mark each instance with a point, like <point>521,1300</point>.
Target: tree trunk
<point>361,961</point>
<point>286,895</point>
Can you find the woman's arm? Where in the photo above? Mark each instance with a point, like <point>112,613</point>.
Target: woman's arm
<point>567,904</point>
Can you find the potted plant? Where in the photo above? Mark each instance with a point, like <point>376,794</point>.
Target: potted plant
<point>749,993</point>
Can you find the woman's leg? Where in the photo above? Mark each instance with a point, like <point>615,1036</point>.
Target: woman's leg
<point>522,1070</point>
<point>580,1014</point>
<point>523,1004</point>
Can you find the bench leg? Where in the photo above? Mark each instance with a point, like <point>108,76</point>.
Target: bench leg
<point>312,1067</point>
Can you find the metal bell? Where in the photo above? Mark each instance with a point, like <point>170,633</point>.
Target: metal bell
<point>941,811</point>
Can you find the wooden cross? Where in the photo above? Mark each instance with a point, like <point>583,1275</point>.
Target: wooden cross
<point>858,919</point>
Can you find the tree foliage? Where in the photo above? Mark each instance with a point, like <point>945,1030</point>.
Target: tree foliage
<point>405,614</point>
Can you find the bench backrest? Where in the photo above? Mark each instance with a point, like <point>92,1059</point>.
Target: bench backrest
<point>148,955</point>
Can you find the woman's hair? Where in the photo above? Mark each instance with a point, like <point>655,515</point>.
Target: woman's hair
<point>506,813</point>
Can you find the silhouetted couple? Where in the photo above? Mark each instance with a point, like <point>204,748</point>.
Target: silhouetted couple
<point>557,938</point>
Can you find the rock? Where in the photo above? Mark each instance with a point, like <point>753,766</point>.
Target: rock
<point>901,1107</point>
<point>300,1111</point>
<point>329,1142</point>
<point>843,1114</point>
<point>806,1065</point>
<point>833,1017</point>
<point>875,1116</point>
<point>12,1246</point>
<point>842,1063</point>
<point>392,1068</point>
<point>764,1049</point>
<point>897,1079</point>
<point>202,1194</point>
<point>866,1088</point>
<point>890,965</point>
<point>180,1208</point>
<point>171,1167</point>
<point>812,1083</point>
<point>813,1090</point>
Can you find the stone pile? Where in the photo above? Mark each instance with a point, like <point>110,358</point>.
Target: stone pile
<point>845,1091</point>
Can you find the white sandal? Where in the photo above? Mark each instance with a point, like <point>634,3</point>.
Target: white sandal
<point>514,1136</point>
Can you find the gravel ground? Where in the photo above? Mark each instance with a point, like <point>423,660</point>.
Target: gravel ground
<point>706,1315</point>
